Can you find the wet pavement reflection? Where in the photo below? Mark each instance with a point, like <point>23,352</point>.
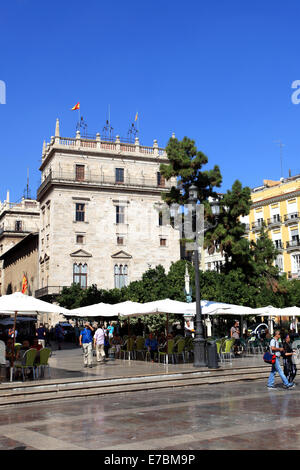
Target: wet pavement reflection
<point>243,415</point>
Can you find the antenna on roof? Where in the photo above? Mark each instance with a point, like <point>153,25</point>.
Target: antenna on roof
<point>27,189</point>
<point>281,145</point>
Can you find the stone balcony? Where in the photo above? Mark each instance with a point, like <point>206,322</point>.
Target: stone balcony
<point>102,146</point>
<point>48,291</point>
<point>103,181</point>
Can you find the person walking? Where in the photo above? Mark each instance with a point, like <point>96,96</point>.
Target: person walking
<point>59,334</point>
<point>99,344</point>
<point>110,329</point>
<point>277,350</point>
<point>86,342</point>
<point>41,335</point>
<point>289,367</point>
<point>235,334</point>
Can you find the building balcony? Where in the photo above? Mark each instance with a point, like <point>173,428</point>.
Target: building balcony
<point>291,275</point>
<point>17,230</point>
<point>256,226</point>
<point>293,245</point>
<point>48,291</point>
<point>278,245</point>
<point>274,221</point>
<point>113,146</point>
<point>102,181</point>
<point>294,217</point>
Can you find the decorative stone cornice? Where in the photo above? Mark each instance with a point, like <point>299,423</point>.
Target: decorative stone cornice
<point>274,199</point>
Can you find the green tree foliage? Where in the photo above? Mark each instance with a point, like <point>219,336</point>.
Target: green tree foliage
<point>228,236</point>
<point>186,163</point>
<point>263,255</point>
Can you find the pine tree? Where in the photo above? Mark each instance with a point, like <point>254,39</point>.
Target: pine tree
<point>186,163</point>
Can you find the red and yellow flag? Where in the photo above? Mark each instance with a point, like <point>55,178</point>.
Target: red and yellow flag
<point>24,285</point>
<point>77,106</point>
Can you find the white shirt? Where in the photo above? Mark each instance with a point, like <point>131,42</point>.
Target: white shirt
<point>99,336</point>
<point>275,344</point>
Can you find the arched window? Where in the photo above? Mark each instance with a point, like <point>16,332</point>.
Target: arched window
<point>80,274</point>
<point>117,278</point>
<point>121,275</point>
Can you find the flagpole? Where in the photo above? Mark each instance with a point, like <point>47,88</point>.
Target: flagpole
<point>13,351</point>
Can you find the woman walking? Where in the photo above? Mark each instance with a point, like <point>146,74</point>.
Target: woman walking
<point>290,369</point>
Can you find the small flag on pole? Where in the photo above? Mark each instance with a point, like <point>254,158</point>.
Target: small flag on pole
<point>24,285</point>
<point>77,106</point>
<point>136,117</point>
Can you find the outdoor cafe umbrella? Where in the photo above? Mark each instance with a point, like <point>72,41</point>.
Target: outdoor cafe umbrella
<point>19,303</point>
<point>96,310</point>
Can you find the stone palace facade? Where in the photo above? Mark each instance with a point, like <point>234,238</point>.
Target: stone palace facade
<point>100,217</point>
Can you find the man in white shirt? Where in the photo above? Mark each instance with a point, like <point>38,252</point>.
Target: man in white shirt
<point>99,344</point>
<point>276,349</point>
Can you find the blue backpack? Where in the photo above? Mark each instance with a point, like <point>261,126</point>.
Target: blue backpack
<point>269,357</point>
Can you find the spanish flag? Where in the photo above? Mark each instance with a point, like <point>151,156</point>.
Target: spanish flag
<point>24,284</point>
<point>77,106</point>
<point>136,117</point>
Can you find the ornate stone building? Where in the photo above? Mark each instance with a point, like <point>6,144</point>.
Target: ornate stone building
<point>17,220</point>
<point>100,219</point>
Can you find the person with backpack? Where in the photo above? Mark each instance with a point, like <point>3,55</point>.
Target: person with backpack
<point>289,367</point>
<point>277,350</point>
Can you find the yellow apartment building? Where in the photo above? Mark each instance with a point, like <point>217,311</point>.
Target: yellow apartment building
<point>277,204</point>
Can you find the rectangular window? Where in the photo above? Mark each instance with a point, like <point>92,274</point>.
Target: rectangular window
<point>79,238</point>
<point>79,215</point>
<point>160,218</point>
<point>121,276</point>
<point>80,275</point>
<point>163,242</point>
<point>120,240</point>
<point>119,175</point>
<point>160,179</point>
<point>120,214</point>
<point>79,172</point>
<point>18,226</point>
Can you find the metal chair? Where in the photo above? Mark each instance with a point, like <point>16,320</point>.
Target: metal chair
<point>180,345</point>
<point>42,363</point>
<point>28,362</point>
<point>226,349</point>
<point>129,348</point>
<point>140,347</point>
<point>170,352</point>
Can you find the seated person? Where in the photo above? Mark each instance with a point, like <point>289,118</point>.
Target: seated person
<point>152,345</point>
<point>116,342</point>
<point>9,354</point>
<point>36,345</point>
<point>21,352</point>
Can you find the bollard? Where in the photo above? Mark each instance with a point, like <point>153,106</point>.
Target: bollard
<point>212,355</point>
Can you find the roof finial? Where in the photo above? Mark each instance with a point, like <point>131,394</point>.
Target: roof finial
<point>57,128</point>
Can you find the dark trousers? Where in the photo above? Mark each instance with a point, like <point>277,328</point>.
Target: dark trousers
<point>290,369</point>
<point>152,353</point>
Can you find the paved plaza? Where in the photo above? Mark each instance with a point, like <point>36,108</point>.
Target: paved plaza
<point>243,416</point>
<point>233,416</point>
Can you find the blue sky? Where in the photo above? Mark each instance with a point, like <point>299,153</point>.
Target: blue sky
<point>218,71</point>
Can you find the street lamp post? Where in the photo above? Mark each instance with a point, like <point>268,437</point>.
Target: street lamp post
<point>199,340</point>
